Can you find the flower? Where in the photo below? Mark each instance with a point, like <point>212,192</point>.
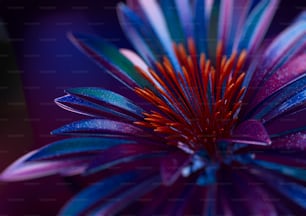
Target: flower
<point>211,120</point>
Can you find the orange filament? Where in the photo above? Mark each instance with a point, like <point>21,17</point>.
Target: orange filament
<point>198,105</point>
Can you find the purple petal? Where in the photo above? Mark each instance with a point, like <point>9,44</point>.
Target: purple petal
<point>124,154</point>
<point>186,16</point>
<point>295,68</point>
<point>250,132</point>
<point>240,10</point>
<point>21,170</point>
<point>287,124</point>
<point>295,141</point>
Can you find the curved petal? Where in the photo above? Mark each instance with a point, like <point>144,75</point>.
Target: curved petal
<point>257,25</point>
<point>108,99</point>
<point>250,132</point>
<point>109,58</point>
<point>83,107</point>
<point>295,68</point>
<point>22,170</point>
<point>113,206</point>
<point>91,196</point>
<point>73,146</point>
<point>124,154</point>
<point>99,127</point>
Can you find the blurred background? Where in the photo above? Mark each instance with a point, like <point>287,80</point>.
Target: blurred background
<point>37,62</point>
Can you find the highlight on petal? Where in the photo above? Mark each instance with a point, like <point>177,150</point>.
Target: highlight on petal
<point>250,132</point>
<point>75,146</point>
<point>22,170</point>
<point>99,127</point>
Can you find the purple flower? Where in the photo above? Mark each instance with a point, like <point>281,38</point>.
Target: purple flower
<point>209,121</point>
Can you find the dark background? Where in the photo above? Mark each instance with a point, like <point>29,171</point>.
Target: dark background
<point>37,62</point>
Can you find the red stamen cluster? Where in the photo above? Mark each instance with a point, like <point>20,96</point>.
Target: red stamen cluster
<point>198,105</point>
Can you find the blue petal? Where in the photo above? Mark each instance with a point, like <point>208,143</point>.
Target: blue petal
<point>173,21</point>
<point>107,98</point>
<point>74,146</point>
<point>99,127</point>
<point>99,191</point>
<point>293,102</point>
<point>109,58</point>
<point>256,25</point>
<point>113,206</point>
<point>200,27</point>
<point>294,172</point>
<point>144,38</point>
<point>278,97</point>
<point>78,105</point>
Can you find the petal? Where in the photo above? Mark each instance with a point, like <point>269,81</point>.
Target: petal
<point>83,107</point>
<point>134,58</point>
<point>287,124</point>
<point>257,25</point>
<point>172,18</point>
<point>295,68</point>
<point>124,154</point>
<point>113,206</point>
<point>280,96</point>
<point>109,58</point>
<point>239,14</point>
<point>73,146</point>
<point>156,18</point>
<point>97,192</point>
<point>184,11</point>
<point>99,127</point>
<point>108,99</point>
<point>292,103</point>
<point>296,141</point>
<point>250,132</point>
<point>200,27</point>
<point>22,170</point>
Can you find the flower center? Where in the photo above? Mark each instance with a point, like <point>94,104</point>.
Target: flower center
<point>198,105</point>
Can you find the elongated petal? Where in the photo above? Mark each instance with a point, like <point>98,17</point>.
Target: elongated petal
<point>22,170</point>
<point>200,27</point>
<point>123,154</point>
<point>107,98</point>
<point>257,25</point>
<point>240,10</point>
<point>278,97</point>
<point>171,14</point>
<point>156,18</point>
<point>185,14</point>
<point>287,124</point>
<point>295,68</point>
<point>99,191</point>
<point>75,146</point>
<point>99,127</point>
<point>250,132</point>
<point>114,206</point>
<point>109,58</point>
<point>83,107</point>
<point>291,104</point>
